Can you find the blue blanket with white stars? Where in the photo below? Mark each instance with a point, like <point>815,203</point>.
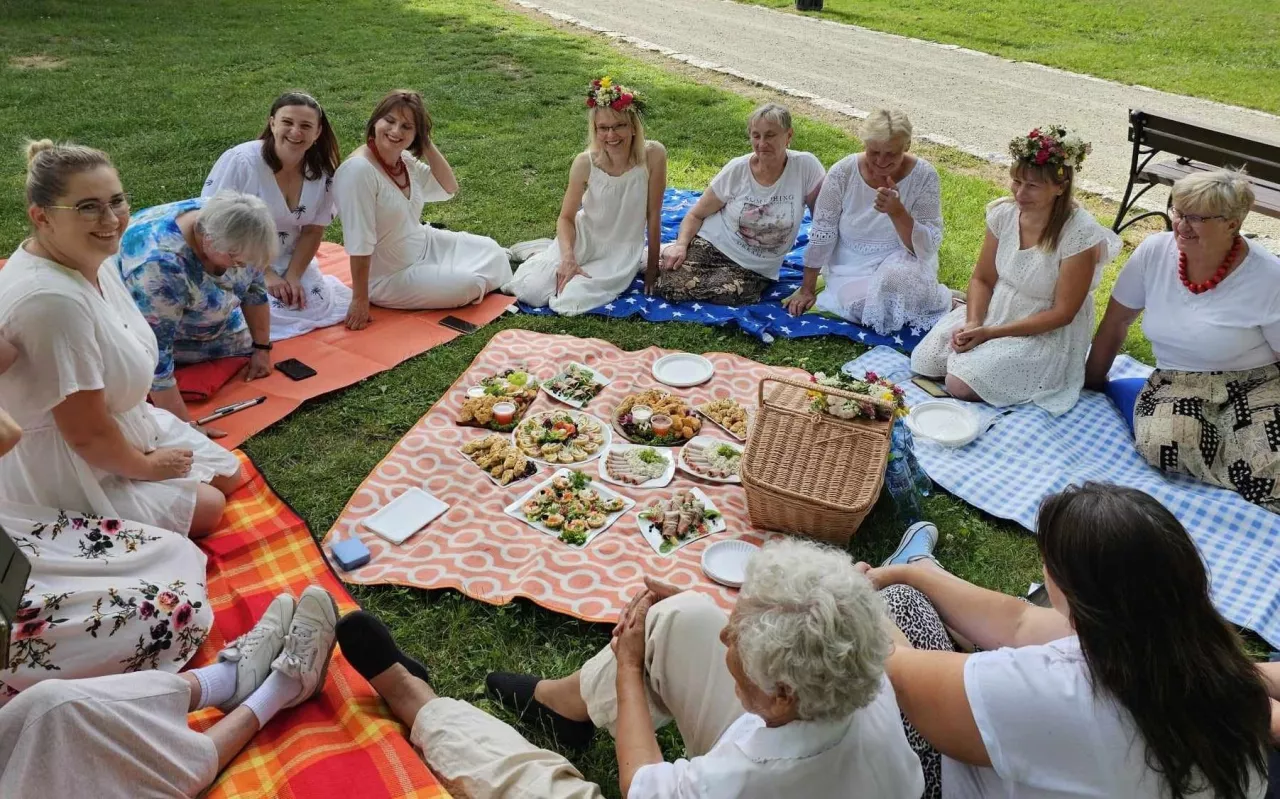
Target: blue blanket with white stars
<point>765,320</point>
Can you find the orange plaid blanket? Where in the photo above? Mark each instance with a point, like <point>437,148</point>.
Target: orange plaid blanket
<point>344,742</point>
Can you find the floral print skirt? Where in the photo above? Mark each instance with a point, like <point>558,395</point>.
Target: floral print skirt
<point>105,596</point>
<point>708,275</point>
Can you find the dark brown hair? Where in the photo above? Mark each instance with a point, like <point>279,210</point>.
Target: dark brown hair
<point>322,158</point>
<point>1139,600</point>
<point>403,98</point>
<point>1064,205</point>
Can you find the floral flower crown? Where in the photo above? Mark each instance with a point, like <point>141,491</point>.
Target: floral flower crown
<point>604,93</point>
<point>1053,145</point>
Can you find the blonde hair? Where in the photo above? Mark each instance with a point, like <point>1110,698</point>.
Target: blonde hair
<point>239,224</point>
<point>771,112</point>
<point>1064,205</point>
<point>887,125</point>
<point>50,166</point>
<point>1222,192</point>
<point>636,156</point>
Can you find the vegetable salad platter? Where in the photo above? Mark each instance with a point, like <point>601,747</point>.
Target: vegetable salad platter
<point>571,507</point>
<point>638,466</point>
<point>671,523</point>
<point>575,385</point>
<point>562,437</point>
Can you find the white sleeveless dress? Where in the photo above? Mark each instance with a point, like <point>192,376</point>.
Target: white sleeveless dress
<point>610,247</point>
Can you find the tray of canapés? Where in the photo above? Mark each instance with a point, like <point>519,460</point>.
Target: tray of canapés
<point>656,419</point>
<point>727,414</point>
<point>499,458</point>
<point>499,401</point>
<point>569,506</point>
<point>576,384</point>
<point>562,437</point>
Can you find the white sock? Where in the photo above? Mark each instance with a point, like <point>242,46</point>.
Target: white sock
<point>278,691</point>
<point>217,683</point>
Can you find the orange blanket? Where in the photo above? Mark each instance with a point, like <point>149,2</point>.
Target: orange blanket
<point>339,745</point>
<point>492,557</point>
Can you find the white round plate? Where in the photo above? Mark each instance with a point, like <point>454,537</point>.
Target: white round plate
<point>947,423</point>
<point>726,561</point>
<point>604,447</point>
<point>657,482</point>
<point>683,369</point>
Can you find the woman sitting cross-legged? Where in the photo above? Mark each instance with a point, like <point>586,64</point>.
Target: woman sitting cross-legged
<point>614,196</point>
<point>1212,302</point>
<point>876,231</point>
<point>195,270</point>
<point>396,260</point>
<point>290,167</point>
<point>786,696</point>
<point>1131,685</point>
<point>85,361</point>
<point>126,735</point>
<point>1024,334</point>
<point>734,239</point>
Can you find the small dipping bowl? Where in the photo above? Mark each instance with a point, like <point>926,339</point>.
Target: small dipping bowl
<point>504,412</point>
<point>475,392</point>
<point>660,423</point>
<point>641,414</point>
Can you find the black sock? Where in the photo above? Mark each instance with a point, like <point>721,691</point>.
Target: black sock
<point>368,646</point>
<point>515,691</point>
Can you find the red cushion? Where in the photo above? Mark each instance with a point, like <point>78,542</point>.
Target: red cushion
<point>200,381</point>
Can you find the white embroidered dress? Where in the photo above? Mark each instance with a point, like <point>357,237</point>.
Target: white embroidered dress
<point>243,169</point>
<point>871,277</point>
<point>1047,369</point>
<point>609,246</point>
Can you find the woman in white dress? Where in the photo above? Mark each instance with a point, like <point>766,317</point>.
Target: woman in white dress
<point>1024,334</point>
<point>733,241</point>
<point>875,235</point>
<point>614,195</point>
<point>396,261</point>
<point>86,357</point>
<point>290,167</point>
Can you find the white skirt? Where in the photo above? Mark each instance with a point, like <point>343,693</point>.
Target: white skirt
<point>326,299</point>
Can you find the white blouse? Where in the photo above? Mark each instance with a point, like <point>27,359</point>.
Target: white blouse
<point>377,219</point>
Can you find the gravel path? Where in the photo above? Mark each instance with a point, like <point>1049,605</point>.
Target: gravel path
<point>955,96</point>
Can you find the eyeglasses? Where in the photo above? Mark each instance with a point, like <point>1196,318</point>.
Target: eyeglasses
<point>1194,219</point>
<point>625,126</point>
<point>94,210</point>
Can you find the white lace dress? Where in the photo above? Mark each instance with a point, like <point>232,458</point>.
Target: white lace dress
<point>1047,369</point>
<point>871,278</point>
<point>609,247</point>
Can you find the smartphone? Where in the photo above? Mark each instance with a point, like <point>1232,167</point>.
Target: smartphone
<point>15,569</point>
<point>930,387</point>
<point>295,369</point>
<point>460,325</point>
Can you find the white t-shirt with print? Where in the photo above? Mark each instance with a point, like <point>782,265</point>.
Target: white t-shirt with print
<point>1048,735</point>
<point>1232,327</point>
<point>758,224</point>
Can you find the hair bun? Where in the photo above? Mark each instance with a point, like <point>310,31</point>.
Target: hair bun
<point>37,146</point>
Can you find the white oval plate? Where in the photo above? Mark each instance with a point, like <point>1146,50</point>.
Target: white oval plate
<point>726,561</point>
<point>657,482</point>
<point>702,441</point>
<point>947,423</point>
<point>683,369</point>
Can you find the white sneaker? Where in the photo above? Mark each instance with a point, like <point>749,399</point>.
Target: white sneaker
<point>254,651</point>
<point>309,644</point>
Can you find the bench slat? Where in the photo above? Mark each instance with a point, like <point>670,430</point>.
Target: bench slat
<point>1209,145</point>
<point>1266,194</point>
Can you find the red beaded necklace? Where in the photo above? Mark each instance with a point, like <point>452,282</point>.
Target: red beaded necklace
<point>396,173</point>
<point>1201,288</point>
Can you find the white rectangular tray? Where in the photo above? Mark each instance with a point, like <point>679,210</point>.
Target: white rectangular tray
<point>405,515</point>
<point>654,537</point>
<point>599,379</point>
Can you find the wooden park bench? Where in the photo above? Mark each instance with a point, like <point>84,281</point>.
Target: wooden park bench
<point>1195,149</point>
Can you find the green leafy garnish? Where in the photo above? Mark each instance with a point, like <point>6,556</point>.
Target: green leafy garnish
<point>575,539</point>
<point>710,514</point>
<point>726,451</point>
<point>650,455</point>
<point>579,480</point>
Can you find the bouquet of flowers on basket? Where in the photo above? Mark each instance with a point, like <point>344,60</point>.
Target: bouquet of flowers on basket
<point>870,386</point>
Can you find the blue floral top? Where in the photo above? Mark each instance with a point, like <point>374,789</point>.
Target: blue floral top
<point>190,310</point>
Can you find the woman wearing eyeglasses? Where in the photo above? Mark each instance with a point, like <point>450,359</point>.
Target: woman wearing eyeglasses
<point>1212,302</point>
<point>85,360</point>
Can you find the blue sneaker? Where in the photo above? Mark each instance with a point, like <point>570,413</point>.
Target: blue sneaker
<point>917,542</point>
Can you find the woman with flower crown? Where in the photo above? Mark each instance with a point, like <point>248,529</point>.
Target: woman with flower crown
<point>614,197</point>
<point>1023,335</point>
<point>1212,302</point>
<point>396,261</point>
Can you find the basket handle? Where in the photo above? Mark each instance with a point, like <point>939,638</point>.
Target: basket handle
<point>839,392</point>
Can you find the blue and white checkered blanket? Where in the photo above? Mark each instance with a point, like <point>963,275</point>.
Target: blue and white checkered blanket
<point>765,320</point>
<point>1027,455</point>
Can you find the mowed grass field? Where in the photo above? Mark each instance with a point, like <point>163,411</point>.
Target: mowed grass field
<point>165,87</point>
<point>1227,51</point>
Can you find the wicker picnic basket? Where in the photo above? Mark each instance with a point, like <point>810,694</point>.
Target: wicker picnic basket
<point>808,472</point>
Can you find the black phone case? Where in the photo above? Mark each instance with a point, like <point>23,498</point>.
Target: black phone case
<point>460,325</point>
<point>295,369</point>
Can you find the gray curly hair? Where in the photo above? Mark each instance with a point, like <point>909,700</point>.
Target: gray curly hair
<point>808,620</point>
<point>240,224</point>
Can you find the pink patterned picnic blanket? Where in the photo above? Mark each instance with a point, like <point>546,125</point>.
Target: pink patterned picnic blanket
<point>479,550</point>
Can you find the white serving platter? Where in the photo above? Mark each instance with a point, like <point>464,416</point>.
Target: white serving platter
<point>707,416</point>
<point>514,509</point>
<point>657,482</point>
<point>701,441</point>
<point>600,380</point>
<point>604,446</point>
<point>405,515</point>
<point>652,534</point>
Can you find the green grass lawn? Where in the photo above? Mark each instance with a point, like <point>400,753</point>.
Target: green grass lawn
<point>165,87</point>
<point>1228,51</point>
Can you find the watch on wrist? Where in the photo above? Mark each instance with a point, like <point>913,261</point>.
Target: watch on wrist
<point>263,347</point>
